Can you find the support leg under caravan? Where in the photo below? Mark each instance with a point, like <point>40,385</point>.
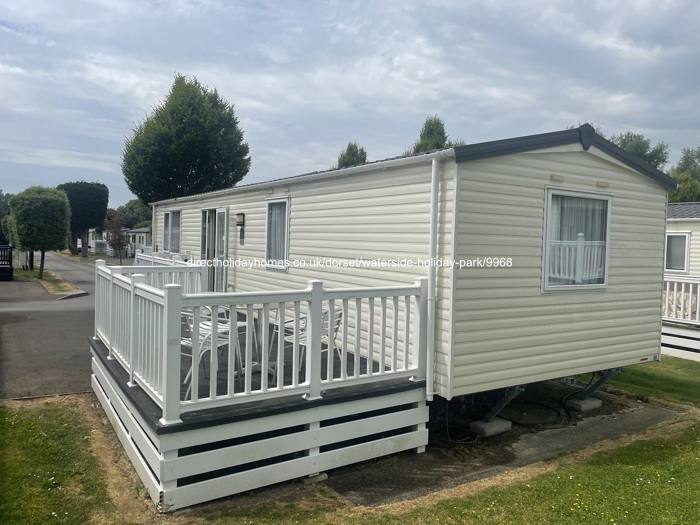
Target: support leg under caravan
<point>581,402</point>
<point>491,424</point>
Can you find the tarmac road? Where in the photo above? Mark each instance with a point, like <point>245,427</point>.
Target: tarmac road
<point>43,341</point>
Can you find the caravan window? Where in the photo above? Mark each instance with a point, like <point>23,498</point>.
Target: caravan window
<point>577,231</point>
<point>677,252</point>
<point>171,231</point>
<point>277,243</point>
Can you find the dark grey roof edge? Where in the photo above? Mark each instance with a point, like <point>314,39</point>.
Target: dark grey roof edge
<point>585,135</point>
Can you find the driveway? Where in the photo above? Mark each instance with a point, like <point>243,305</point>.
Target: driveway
<point>43,341</point>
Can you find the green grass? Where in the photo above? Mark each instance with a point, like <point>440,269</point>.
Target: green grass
<point>649,482</point>
<point>47,475</point>
<point>51,281</point>
<point>47,472</point>
<point>671,379</point>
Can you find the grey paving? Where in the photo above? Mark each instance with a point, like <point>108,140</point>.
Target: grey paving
<point>43,341</point>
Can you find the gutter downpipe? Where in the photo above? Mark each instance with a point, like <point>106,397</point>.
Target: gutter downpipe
<point>432,268</point>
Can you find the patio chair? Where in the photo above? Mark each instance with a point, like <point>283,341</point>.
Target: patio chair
<point>328,335</point>
<point>207,339</point>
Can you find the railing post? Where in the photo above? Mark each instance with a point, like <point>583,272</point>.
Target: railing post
<point>420,333</point>
<point>578,270</point>
<point>99,296</point>
<point>203,278</point>
<point>134,334</point>
<point>112,308</point>
<point>314,330</point>
<point>171,354</point>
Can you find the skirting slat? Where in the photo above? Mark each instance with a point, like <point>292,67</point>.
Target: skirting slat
<point>303,417</point>
<point>139,463</point>
<point>291,443</point>
<point>251,479</point>
<point>300,443</point>
<point>133,429</point>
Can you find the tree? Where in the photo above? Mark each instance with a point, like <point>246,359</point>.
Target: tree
<point>88,204</point>
<point>116,237</point>
<point>191,143</point>
<point>688,189</point>
<point>352,155</point>
<point>41,218</point>
<point>637,144</point>
<point>432,136</point>
<point>134,212</point>
<point>4,212</point>
<point>689,163</point>
<point>9,229</point>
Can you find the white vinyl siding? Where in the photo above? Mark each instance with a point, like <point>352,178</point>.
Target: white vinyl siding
<point>692,227</point>
<point>494,326</point>
<point>380,215</point>
<point>507,331</point>
<point>677,252</point>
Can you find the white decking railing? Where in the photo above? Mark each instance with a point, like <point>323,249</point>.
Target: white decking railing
<point>275,348</point>
<point>680,300</point>
<point>578,260</point>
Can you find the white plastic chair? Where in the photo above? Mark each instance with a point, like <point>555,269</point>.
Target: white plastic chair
<point>207,339</point>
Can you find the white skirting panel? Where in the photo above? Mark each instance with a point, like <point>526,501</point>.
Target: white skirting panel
<point>192,466</point>
<point>680,341</point>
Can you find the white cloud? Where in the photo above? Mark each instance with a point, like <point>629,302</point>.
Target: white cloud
<point>307,77</point>
<point>45,157</point>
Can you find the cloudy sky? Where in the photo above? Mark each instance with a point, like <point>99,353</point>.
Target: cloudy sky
<point>308,76</point>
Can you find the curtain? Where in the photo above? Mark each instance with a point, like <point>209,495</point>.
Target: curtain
<point>175,232</point>
<point>571,262</point>
<point>574,215</point>
<point>166,232</point>
<point>276,231</point>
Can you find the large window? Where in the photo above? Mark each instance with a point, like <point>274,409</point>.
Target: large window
<point>171,231</point>
<point>577,231</point>
<point>277,244</point>
<point>677,248</point>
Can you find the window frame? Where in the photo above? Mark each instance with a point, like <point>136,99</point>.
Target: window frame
<point>268,259</point>
<point>550,192</point>
<point>686,269</point>
<point>168,234</point>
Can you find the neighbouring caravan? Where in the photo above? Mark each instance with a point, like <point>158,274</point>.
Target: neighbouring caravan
<point>544,254</point>
<point>682,280</point>
<point>683,239</point>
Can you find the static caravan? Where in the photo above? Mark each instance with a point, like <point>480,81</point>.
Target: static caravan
<point>373,289</point>
<point>519,294</point>
<point>682,279</point>
<point>682,225</point>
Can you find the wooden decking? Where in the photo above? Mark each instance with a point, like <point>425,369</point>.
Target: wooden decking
<point>255,418</point>
<point>216,452</point>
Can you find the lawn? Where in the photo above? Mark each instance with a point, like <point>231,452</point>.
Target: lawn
<point>650,478</point>
<point>47,471</point>
<point>671,379</point>
<point>51,281</point>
